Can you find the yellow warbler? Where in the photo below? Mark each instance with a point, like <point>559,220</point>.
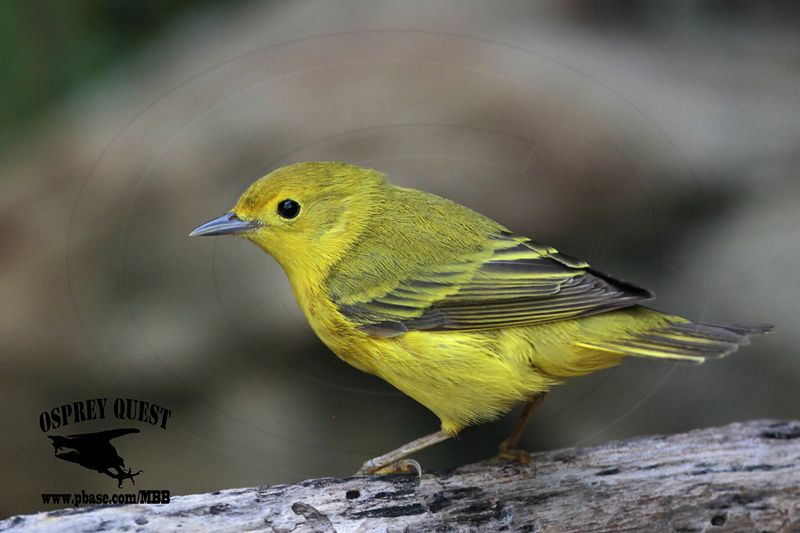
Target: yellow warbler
<point>445,304</point>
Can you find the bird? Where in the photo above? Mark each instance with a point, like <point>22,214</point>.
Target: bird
<point>95,452</point>
<point>450,307</point>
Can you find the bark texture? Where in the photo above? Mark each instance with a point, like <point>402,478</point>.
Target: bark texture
<point>740,477</point>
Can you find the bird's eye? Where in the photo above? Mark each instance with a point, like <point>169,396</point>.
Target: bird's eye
<point>288,208</point>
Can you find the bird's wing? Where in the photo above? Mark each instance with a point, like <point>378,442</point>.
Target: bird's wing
<point>104,435</point>
<point>515,283</point>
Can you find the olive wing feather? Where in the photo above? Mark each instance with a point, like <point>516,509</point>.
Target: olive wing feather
<point>516,283</point>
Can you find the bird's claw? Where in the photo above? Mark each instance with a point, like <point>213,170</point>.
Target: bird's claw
<point>515,455</point>
<point>403,466</point>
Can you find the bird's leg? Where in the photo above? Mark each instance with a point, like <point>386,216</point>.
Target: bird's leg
<point>394,461</point>
<point>508,448</point>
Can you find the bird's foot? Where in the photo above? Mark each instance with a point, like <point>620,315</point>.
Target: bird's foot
<point>403,466</point>
<point>507,452</point>
<point>122,475</point>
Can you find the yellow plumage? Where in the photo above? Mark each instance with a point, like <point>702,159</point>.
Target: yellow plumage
<point>445,304</point>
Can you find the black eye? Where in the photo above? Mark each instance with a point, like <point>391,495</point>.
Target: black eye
<point>288,208</point>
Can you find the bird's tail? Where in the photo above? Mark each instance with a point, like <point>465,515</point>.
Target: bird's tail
<point>682,341</point>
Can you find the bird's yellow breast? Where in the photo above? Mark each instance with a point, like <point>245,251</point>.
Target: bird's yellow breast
<point>461,377</point>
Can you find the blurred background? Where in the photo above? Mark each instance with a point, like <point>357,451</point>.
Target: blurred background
<point>658,140</point>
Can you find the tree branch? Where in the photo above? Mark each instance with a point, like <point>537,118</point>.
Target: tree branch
<point>740,477</point>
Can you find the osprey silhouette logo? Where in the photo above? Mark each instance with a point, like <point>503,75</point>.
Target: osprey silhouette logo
<point>95,450</point>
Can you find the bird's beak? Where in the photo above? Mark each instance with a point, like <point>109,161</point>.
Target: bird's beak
<point>227,224</point>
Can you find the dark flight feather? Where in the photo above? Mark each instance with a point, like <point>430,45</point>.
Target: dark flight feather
<point>518,283</point>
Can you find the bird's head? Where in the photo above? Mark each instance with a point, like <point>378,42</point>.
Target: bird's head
<point>306,214</point>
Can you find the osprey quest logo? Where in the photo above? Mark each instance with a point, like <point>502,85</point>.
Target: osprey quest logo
<point>96,451</point>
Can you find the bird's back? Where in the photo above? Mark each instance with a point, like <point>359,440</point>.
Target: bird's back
<point>410,231</point>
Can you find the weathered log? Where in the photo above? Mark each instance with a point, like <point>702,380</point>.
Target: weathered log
<point>740,477</point>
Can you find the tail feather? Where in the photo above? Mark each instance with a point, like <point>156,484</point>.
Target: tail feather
<point>683,341</point>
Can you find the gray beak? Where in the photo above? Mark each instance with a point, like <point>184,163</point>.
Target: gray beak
<point>227,224</point>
